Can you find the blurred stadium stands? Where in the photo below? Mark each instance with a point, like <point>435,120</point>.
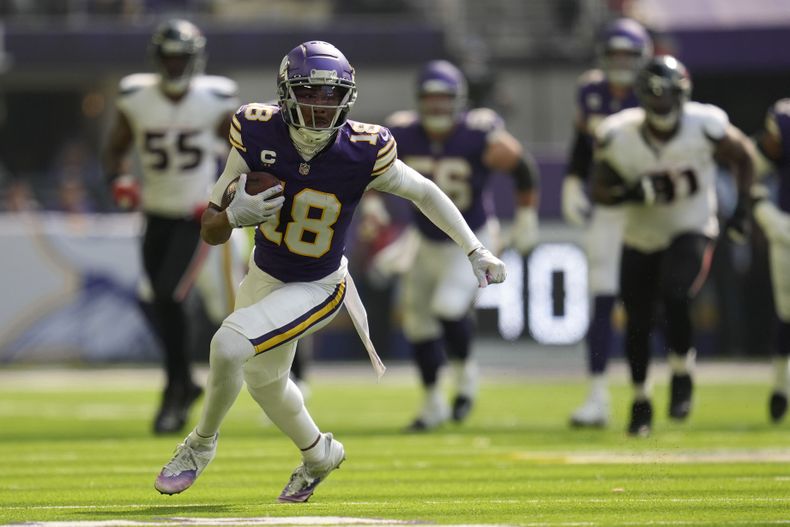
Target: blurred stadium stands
<point>60,61</point>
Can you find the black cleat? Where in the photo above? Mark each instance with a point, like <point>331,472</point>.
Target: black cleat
<point>174,411</point>
<point>680,396</point>
<point>641,419</point>
<point>418,425</point>
<point>462,405</point>
<point>777,406</point>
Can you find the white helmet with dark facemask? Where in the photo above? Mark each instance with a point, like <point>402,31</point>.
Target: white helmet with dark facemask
<point>178,50</point>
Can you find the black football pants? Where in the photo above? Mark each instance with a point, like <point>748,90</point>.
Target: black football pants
<point>671,278</point>
<point>171,260</point>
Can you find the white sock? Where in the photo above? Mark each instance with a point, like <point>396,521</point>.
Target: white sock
<point>598,387</point>
<point>433,393</point>
<point>467,377</point>
<point>284,405</point>
<point>316,452</point>
<point>229,351</point>
<point>781,373</point>
<point>642,392</point>
<point>682,364</point>
<point>195,440</point>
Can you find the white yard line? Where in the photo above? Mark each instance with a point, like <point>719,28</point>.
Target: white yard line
<point>778,455</point>
<point>324,521</point>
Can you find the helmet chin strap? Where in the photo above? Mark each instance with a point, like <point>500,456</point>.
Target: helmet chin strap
<point>309,142</point>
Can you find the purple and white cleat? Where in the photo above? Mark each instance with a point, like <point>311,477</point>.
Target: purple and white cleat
<point>186,465</point>
<point>306,477</point>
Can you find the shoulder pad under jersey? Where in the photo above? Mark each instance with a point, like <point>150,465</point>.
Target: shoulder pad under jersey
<point>136,82</point>
<point>402,119</point>
<point>219,86</point>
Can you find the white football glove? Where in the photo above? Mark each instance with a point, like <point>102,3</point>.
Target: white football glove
<point>487,268</point>
<point>525,229</point>
<point>774,222</point>
<point>575,203</point>
<point>248,210</point>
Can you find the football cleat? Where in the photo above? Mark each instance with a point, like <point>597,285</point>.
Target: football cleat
<point>307,476</point>
<point>186,465</point>
<point>174,411</point>
<point>593,413</point>
<point>680,396</point>
<point>435,412</point>
<point>777,406</point>
<point>641,419</point>
<point>462,405</point>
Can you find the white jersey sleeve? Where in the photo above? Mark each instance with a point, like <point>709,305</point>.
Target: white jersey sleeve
<point>714,122</point>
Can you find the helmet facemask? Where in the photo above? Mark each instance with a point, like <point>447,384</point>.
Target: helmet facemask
<point>441,96</point>
<point>438,111</point>
<point>317,107</point>
<point>624,48</point>
<point>662,88</point>
<point>622,65</point>
<point>663,113</point>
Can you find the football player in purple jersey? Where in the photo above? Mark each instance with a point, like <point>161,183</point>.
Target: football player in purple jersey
<point>624,48</point>
<point>774,219</point>
<point>458,149</point>
<point>298,279</point>
<point>659,162</point>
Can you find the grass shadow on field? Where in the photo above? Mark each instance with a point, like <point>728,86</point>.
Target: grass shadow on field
<point>168,513</point>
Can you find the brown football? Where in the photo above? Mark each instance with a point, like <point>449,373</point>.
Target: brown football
<point>257,182</point>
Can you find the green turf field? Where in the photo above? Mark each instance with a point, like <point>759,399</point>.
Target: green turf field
<point>80,450</point>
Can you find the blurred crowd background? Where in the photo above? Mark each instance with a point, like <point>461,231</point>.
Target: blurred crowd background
<point>60,62</point>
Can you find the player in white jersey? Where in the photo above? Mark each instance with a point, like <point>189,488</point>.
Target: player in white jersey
<point>774,219</point>
<point>172,121</point>
<point>659,162</point>
<point>299,278</point>
<point>623,49</point>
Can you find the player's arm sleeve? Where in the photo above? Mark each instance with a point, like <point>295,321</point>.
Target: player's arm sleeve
<point>401,180</point>
<point>581,155</point>
<point>234,167</point>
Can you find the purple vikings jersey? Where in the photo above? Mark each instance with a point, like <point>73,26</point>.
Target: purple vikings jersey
<point>456,165</point>
<point>780,115</point>
<point>308,242</point>
<point>595,101</point>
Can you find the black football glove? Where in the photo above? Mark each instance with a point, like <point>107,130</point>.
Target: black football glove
<point>738,226</point>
